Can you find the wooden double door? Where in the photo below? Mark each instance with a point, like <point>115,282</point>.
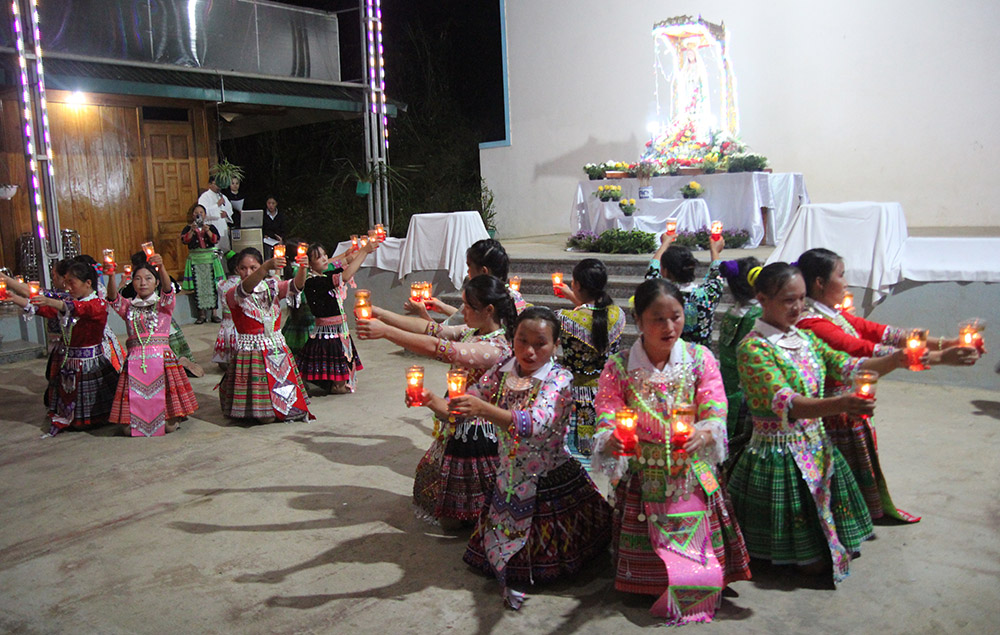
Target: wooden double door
<point>171,168</point>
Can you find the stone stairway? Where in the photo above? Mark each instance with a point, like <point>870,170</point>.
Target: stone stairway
<point>625,273</point>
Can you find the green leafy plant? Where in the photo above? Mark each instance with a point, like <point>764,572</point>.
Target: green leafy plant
<point>594,171</point>
<point>709,165</point>
<point>734,238</point>
<point>608,192</point>
<point>582,241</point>
<point>627,206</point>
<point>748,162</point>
<point>224,173</point>
<point>487,207</point>
<point>619,241</point>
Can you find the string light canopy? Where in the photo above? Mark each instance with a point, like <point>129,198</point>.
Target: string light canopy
<point>35,120</point>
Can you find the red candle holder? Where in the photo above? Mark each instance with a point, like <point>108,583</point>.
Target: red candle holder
<point>671,227</point>
<point>557,279</point>
<point>362,304</point>
<point>864,382</point>
<point>847,304</point>
<point>380,232</point>
<point>457,382</point>
<point>426,294</point>
<point>362,242</point>
<point>971,334</point>
<point>625,424</point>
<point>302,250</point>
<point>148,249</point>
<point>717,230</point>
<point>279,251</point>
<point>414,386</point>
<point>417,292</point>
<point>109,256</point>
<point>681,425</point>
<point>916,346</point>
<point>514,282</point>
<point>3,289</point>
<point>354,242</point>
<point>34,288</point>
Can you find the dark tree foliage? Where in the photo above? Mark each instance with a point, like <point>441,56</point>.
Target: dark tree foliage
<point>433,145</point>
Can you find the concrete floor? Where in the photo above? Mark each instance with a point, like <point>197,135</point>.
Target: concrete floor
<point>307,528</point>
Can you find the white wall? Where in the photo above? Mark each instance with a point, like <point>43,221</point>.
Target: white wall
<point>871,99</point>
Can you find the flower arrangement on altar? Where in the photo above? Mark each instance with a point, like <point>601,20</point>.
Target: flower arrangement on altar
<point>693,189</point>
<point>735,238</point>
<point>628,206</point>
<point>608,192</point>
<point>594,171</point>
<point>613,241</point>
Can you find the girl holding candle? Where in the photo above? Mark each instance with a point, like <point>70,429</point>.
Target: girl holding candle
<point>485,257</point>
<point>153,391</point>
<point>112,347</point>
<point>677,264</point>
<point>676,393</point>
<point>203,269</point>
<point>589,334</point>
<point>853,434</point>
<point>82,388</point>
<point>300,320</point>
<point>262,381</point>
<point>736,323</point>
<point>329,357</point>
<point>225,342</point>
<point>795,496</point>
<point>546,518</point>
<point>456,475</point>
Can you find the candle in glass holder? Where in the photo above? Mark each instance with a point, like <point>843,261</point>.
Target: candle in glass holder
<point>971,334</point>
<point>716,230</point>
<point>414,386</point>
<point>916,345</point>
<point>363,242</point>
<point>3,289</point>
<point>681,425</point>
<point>557,279</point>
<point>20,279</point>
<point>380,232</point>
<point>354,242</point>
<point>33,288</point>
<point>279,251</point>
<point>671,227</point>
<point>149,250</point>
<point>847,304</point>
<point>372,236</point>
<point>515,283</point>
<point>426,294</point>
<point>362,304</point>
<point>302,250</point>
<point>416,292</point>
<point>128,270</point>
<point>109,256</point>
<point>457,379</point>
<point>864,384</point>
<point>625,422</point>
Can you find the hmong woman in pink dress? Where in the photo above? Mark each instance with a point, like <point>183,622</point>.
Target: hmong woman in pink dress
<point>82,387</point>
<point>675,535</point>
<point>225,341</point>
<point>854,434</point>
<point>546,518</point>
<point>154,393</point>
<point>454,478</point>
<point>262,381</point>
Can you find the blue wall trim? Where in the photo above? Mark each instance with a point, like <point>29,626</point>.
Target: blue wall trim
<point>506,88</point>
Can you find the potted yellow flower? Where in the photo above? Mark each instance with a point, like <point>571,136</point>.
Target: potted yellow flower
<point>694,189</point>
<point>627,206</point>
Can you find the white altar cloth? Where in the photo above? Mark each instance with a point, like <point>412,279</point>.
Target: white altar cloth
<point>435,241</point>
<point>735,199</point>
<point>869,237</point>
<point>651,216</point>
<point>931,259</point>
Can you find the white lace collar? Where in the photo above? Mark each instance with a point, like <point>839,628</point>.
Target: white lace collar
<point>791,339</point>
<point>740,310</point>
<point>153,298</point>
<point>639,360</point>
<point>510,366</point>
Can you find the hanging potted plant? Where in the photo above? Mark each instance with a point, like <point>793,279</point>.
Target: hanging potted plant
<point>224,173</point>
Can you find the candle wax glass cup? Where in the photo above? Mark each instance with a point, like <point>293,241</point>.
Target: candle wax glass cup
<point>363,241</point>
<point>625,422</point>
<point>109,256</point>
<point>147,247</point>
<point>716,229</point>
<point>354,241</point>
<point>33,287</point>
<point>279,251</point>
<point>865,382</point>
<point>456,382</point>
<point>682,424</point>
<point>416,292</point>
<point>515,283</point>
<point>302,249</point>
<point>916,345</point>
<point>414,386</point>
<point>971,334</point>
<point>426,294</point>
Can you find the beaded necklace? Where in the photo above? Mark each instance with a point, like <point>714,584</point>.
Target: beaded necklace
<point>511,383</point>
<point>144,318</point>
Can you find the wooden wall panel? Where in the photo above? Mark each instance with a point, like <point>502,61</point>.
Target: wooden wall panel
<point>15,214</point>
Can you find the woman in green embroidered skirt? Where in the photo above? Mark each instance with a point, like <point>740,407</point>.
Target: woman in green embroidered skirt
<point>203,269</point>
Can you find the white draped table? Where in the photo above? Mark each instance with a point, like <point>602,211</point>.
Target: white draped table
<point>651,216</point>
<point>435,241</point>
<point>952,259</point>
<point>869,237</point>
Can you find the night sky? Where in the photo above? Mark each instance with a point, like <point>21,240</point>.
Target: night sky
<point>470,30</point>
